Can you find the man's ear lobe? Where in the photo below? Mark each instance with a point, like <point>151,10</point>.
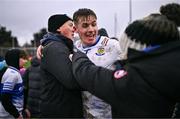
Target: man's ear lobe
<point>58,30</point>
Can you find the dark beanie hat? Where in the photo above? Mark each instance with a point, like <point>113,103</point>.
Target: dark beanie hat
<point>155,29</point>
<point>172,12</point>
<point>56,21</point>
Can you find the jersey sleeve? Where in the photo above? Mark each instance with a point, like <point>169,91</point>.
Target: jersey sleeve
<point>9,81</point>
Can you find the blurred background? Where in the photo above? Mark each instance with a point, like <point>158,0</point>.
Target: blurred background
<point>24,22</point>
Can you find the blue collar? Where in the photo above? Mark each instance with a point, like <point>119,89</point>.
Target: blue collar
<point>13,68</point>
<point>150,48</point>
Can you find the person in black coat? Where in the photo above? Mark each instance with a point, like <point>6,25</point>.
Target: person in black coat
<point>172,12</point>
<point>61,94</point>
<point>149,84</point>
<point>32,82</point>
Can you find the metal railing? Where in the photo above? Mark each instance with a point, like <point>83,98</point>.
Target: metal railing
<point>30,50</point>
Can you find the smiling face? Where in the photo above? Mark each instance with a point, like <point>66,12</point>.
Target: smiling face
<point>87,29</point>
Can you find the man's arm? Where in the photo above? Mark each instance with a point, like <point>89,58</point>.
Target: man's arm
<point>8,106</point>
<point>57,62</point>
<point>101,82</point>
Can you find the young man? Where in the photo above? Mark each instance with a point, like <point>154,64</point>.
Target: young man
<point>148,88</point>
<point>101,50</point>
<point>12,96</point>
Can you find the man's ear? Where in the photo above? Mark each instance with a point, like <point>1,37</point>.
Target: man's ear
<point>58,30</point>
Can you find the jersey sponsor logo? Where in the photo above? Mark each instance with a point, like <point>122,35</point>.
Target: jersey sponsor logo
<point>119,74</point>
<point>100,51</point>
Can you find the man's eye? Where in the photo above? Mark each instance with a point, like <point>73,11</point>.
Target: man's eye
<point>85,25</point>
<point>94,24</point>
<point>71,25</point>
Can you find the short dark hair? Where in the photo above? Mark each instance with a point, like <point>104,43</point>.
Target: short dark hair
<point>83,12</point>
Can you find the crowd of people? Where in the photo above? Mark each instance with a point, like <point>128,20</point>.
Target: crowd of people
<point>96,76</point>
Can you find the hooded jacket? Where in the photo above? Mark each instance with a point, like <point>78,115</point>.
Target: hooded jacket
<point>12,58</point>
<point>149,88</point>
<point>61,94</point>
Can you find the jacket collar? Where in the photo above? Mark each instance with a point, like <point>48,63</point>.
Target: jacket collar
<point>166,48</point>
<point>59,38</point>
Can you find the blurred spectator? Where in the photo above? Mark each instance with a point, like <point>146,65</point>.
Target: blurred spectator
<point>102,32</point>
<point>12,84</point>
<point>3,67</point>
<point>32,82</point>
<point>2,63</point>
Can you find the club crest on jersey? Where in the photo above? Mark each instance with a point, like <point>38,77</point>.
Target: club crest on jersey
<point>119,74</point>
<point>100,52</point>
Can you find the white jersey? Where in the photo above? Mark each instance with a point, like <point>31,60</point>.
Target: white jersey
<point>12,83</point>
<point>103,53</point>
